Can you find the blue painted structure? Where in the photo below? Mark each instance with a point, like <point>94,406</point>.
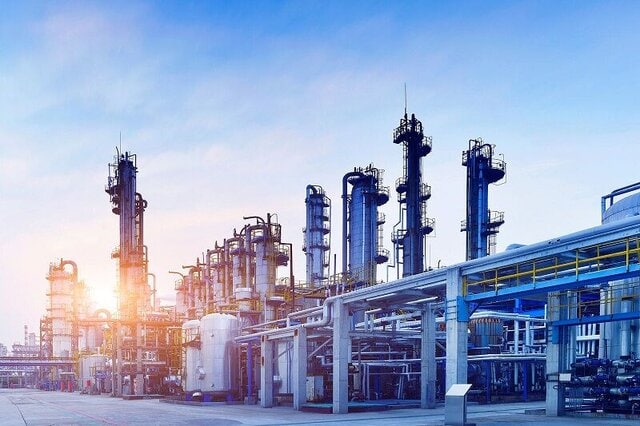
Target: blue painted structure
<point>481,224</point>
<point>412,195</point>
<point>317,233</point>
<point>362,225</point>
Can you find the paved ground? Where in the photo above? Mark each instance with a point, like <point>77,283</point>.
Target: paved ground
<point>32,407</point>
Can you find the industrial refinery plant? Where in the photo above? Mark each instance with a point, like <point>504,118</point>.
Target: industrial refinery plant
<point>557,320</point>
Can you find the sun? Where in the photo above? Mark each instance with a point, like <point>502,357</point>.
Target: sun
<point>103,295</point>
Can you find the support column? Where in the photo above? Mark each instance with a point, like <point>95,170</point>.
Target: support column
<point>299,368</point>
<point>428,363</point>
<point>117,369</point>
<point>266,373</point>
<point>457,330</point>
<point>555,355</point>
<point>341,347</point>
<point>114,358</point>
<point>139,385</point>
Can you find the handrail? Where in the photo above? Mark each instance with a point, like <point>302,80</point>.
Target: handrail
<point>537,271</point>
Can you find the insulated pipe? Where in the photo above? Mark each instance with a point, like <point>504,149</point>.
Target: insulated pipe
<point>153,292</point>
<point>74,266</point>
<point>625,329</point>
<point>325,321</point>
<point>267,239</point>
<point>208,282</point>
<point>305,312</point>
<point>247,257</point>
<point>192,270</point>
<point>249,370</point>
<point>234,284</point>
<point>225,259</point>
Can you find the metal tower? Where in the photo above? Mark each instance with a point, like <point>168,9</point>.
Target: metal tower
<point>362,225</point>
<point>317,235</point>
<point>133,289</point>
<point>481,224</point>
<point>412,195</point>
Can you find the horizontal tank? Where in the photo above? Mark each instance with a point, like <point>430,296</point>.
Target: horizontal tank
<point>218,353</point>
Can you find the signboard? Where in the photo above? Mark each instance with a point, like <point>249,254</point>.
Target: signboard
<point>458,390</point>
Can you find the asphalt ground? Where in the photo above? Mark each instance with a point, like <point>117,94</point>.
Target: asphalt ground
<point>34,407</point>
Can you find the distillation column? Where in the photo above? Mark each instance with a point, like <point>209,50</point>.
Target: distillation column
<point>412,195</point>
<point>62,308</point>
<point>481,224</point>
<point>133,290</point>
<point>364,225</point>
<point>317,234</point>
<point>263,242</point>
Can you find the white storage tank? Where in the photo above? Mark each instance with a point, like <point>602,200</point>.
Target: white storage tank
<point>219,355</point>
<point>192,377</point>
<point>92,370</point>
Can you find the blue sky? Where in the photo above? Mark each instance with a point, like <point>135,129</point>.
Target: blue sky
<point>233,108</point>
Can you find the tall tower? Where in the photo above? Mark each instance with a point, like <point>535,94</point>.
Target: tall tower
<point>412,195</point>
<point>62,309</point>
<point>134,294</point>
<point>363,223</point>
<point>133,290</point>
<point>317,234</point>
<point>481,224</point>
<point>264,255</point>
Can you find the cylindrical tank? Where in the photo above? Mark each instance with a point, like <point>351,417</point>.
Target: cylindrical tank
<point>622,337</point>
<point>363,223</point>
<point>60,309</point>
<point>316,235</point>
<point>486,333</point>
<point>92,368</point>
<point>282,375</point>
<point>217,275</point>
<point>218,354</point>
<point>192,365</point>
<point>237,254</point>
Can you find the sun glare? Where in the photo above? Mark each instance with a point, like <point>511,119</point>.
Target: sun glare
<point>104,296</point>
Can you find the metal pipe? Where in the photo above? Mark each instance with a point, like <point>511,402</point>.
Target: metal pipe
<point>625,329</point>
<point>249,370</point>
<point>153,292</point>
<point>304,312</point>
<point>74,266</point>
<point>292,287</point>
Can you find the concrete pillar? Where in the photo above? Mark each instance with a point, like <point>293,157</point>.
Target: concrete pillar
<point>266,373</point>
<point>556,348</point>
<point>428,363</point>
<point>341,349</point>
<point>457,330</point>
<point>299,368</point>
